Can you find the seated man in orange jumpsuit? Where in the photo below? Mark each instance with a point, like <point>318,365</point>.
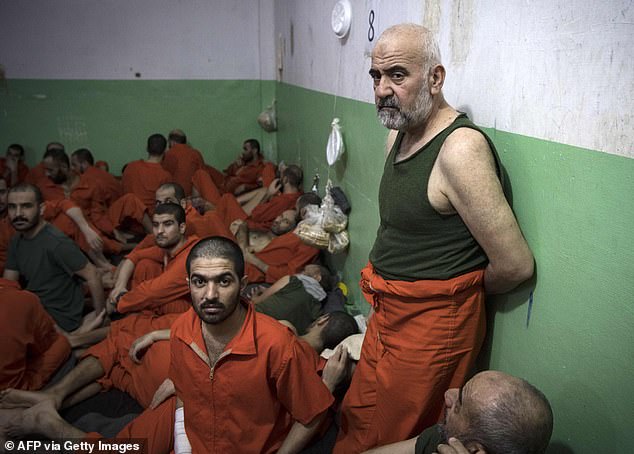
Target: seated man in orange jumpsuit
<point>143,177</point>
<point>12,167</point>
<point>38,172</point>
<point>32,349</point>
<point>239,376</point>
<point>247,172</point>
<point>86,193</point>
<point>258,207</point>
<point>156,303</point>
<point>181,160</point>
<point>82,163</point>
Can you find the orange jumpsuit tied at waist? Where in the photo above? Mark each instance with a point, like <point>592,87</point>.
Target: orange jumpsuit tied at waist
<point>31,349</point>
<point>422,339</point>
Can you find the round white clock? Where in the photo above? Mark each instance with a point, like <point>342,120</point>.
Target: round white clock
<point>341,18</point>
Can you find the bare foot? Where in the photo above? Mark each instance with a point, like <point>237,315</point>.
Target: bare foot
<point>17,398</point>
<point>40,419</point>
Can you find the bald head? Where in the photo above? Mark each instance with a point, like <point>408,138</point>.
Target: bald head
<point>505,414</point>
<point>414,39</point>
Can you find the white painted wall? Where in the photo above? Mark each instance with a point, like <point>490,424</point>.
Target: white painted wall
<point>115,39</point>
<point>556,70</point>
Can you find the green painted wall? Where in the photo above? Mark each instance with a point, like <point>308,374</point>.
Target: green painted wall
<point>575,209</point>
<point>114,118</point>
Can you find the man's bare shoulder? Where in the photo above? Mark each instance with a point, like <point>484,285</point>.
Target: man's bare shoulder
<point>463,148</point>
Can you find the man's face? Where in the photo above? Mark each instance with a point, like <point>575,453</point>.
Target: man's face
<point>77,166</point>
<point>3,196</point>
<point>401,87</point>
<point>55,171</point>
<point>284,223</point>
<point>166,195</point>
<point>14,154</point>
<point>215,289</point>
<point>248,152</point>
<point>167,231</point>
<point>24,211</point>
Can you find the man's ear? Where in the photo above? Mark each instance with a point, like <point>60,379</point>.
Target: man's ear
<point>42,208</point>
<point>243,282</point>
<point>182,227</point>
<point>436,79</point>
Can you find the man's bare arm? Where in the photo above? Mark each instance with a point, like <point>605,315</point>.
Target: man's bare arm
<point>93,280</point>
<point>300,435</point>
<point>469,181</point>
<point>402,447</point>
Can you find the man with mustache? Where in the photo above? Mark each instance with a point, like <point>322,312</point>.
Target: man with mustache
<point>52,265</point>
<point>447,235</point>
<point>240,377</point>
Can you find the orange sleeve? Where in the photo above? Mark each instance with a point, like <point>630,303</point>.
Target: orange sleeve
<point>168,287</point>
<point>289,257</point>
<point>268,174</point>
<point>206,187</point>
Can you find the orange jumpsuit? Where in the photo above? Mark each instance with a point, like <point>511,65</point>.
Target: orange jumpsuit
<point>166,293</point>
<point>206,186</point>
<point>264,214</point>
<point>36,174</point>
<point>248,400</point>
<point>156,303</point>
<point>285,255</point>
<point>182,161</point>
<point>244,175</point>
<point>23,171</point>
<point>154,428</point>
<point>142,179</point>
<point>110,185</point>
<point>31,349</point>
<point>422,339</point>
<point>6,232</point>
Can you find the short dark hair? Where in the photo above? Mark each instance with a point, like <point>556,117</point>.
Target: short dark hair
<point>309,198</point>
<point>84,155</point>
<point>177,136</point>
<point>57,155</point>
<point>156,144</point>
<point>217,247</point>
<point>179,192</point>
<point>327,281</point>
<point>294,174</point>
<point>339,326</point>
<point>26,187</point>
<point>171,208</point>
<point>16,146</point>
<point>253,143</point>
<point>520,421</point>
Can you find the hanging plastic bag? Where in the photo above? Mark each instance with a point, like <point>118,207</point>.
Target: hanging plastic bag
<point>334,220</point>
<point>335,147</point>
<point>310,229</point>
<point>267,119</point>
<point>338,242</point>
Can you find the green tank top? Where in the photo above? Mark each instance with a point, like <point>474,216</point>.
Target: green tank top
<point>414,241</point>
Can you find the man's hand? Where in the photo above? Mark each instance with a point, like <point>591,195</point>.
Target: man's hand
<point>336,368</point>
<point>139,347</point>
<point>94,240</point>
<point>164,391</point>
<point>454,447</point>
<point>274,188</point>
<point>113,298</point>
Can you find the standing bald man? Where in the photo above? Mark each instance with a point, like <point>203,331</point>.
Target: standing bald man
<point>446,235</point>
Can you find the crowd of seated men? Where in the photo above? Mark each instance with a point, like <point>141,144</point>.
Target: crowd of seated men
<point>185,289</point>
